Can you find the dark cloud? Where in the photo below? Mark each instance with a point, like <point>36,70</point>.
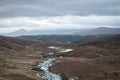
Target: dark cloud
<point>34,8</point>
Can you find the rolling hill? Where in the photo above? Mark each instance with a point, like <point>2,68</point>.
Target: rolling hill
<point>97,59</point>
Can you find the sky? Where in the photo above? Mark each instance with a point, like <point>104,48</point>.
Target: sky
<point>58,14</point>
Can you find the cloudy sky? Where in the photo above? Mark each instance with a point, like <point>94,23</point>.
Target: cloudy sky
<point>58,14</point>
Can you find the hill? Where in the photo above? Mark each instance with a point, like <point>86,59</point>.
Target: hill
<point>112,42</point>
<point>95,47</point>
<point>18,56</point>
<point>17,42</point>
<point>99,31</point>
<point>96,59</point>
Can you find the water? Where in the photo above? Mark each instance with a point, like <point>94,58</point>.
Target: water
<point>66,50</point>
<point>47,63</point>
<point>45,67</point>
<point>53,47</point>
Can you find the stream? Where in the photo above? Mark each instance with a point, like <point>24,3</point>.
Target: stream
<point>45,67</point>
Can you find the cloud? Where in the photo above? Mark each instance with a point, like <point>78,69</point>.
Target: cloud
<point>58,14</point>
<point>36,8</point>
<point>59,22</point>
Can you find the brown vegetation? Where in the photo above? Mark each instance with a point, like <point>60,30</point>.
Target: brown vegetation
<point>92,60</point>
<point>18,56</point>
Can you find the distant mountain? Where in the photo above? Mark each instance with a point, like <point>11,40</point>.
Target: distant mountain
<point>18,32</point>
<point>43,32</point>
<point>100,31</point>
<point>83,32</point>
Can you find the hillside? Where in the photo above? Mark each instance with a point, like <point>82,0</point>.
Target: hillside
<point>18,57</point>
<point>92,48</point>
<point>91,60</point>
<point>112,42</point>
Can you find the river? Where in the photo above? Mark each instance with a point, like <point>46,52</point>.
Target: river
<point>45,67</point>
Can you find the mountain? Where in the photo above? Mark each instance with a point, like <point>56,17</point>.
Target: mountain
<point>42,32</point>
<point>100,31</point>
<point>17,33</point>
<point>96,31</point>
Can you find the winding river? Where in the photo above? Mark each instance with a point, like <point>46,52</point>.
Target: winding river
<point>45,67</point>
<point>47,63</point>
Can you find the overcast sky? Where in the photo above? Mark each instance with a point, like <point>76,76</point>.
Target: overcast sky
<point>58,14</point>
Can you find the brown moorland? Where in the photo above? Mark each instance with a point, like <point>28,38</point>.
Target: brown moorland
<point>19,56</point>
<point>92,60</point>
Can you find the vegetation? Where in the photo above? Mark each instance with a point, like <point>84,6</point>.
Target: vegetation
<point>96,59</point>
<point>64,38</point>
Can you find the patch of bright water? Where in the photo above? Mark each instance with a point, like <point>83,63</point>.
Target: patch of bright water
<point>45,67</point>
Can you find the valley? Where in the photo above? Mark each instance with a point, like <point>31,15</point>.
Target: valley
<point>96,59</point>
<point>59,39</point>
